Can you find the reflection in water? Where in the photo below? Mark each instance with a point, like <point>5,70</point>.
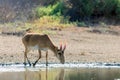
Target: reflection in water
<point>60,76</point>
<point>44,75</point>
<point>64,74</point>
<point>32,75</point>
<point>94,74</point>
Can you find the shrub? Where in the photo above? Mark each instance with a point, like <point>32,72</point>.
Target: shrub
<point>85,9</point>
<point>81,8</point>
<point>56,9</point>
<point>118,9</point>
<point>109,7</point>
<point>43,11</point>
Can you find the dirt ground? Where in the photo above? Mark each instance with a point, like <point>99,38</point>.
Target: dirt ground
<point>82,46</point>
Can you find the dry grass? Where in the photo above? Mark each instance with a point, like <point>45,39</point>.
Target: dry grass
<point>46,24</point>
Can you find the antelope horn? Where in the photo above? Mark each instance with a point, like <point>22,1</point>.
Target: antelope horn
<point>60,46</point>
<point>64,47</point>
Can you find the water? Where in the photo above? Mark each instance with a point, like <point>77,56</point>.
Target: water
<point>63,72</point>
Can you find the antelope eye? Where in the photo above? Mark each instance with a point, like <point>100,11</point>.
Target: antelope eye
<point>59,53</point>
<point>58,50</point>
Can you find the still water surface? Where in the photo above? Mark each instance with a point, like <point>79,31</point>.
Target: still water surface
<point>63,74</point>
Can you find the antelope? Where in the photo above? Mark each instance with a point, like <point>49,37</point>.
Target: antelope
<point>34,41</point>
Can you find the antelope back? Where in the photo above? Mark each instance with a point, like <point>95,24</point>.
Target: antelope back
<point>36,39</point>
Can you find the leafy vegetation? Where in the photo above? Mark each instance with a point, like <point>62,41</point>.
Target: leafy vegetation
<point>56,9</point>
<point>61,13</point>
<point>118,9</point>
<point>80,11</point>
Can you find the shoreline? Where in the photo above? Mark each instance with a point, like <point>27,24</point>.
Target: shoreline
<point>20,67</point>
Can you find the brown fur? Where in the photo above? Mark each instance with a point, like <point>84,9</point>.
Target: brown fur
<point>43,42</point>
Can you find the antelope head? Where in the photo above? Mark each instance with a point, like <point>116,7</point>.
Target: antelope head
<point>60,53</point>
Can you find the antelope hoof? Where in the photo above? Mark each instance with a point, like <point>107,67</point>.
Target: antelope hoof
<point>25,63</point>
<point>47,64</point>
<point>29,64</point>
<point>34,64</point>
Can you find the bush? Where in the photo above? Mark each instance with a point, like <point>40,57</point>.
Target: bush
<point>86,9</point>
<point>81,8</point>
<point>56,9</point>
<point>43,11</point>
<point>109,7</point>
<point>118,9</point>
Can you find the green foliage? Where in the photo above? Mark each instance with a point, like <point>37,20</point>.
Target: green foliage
<point>109,7</point>
<point>65,10</point>
<point>84,8</point>
<point>93,8</point>
<point>56,9</point>
<point>118,9</point>
<point>79,10</point>
<point>43,11</point>
<point>52,15</point>
<point>105,8</point>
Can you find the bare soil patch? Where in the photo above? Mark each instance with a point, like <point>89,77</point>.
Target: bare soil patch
<point>82,46</point>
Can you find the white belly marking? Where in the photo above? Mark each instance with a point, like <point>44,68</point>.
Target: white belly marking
<point>36,47</point>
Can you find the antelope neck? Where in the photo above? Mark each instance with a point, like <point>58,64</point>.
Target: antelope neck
<point>53,48</point>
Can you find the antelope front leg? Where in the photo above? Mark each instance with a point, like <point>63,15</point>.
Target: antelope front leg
<point>25,56</point>
<point>46,58</point>
<point>38,58</point>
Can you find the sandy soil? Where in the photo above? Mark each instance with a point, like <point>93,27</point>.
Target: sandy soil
<point>82,46</point>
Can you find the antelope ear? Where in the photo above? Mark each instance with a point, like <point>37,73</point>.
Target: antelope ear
<point>64,47</point>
